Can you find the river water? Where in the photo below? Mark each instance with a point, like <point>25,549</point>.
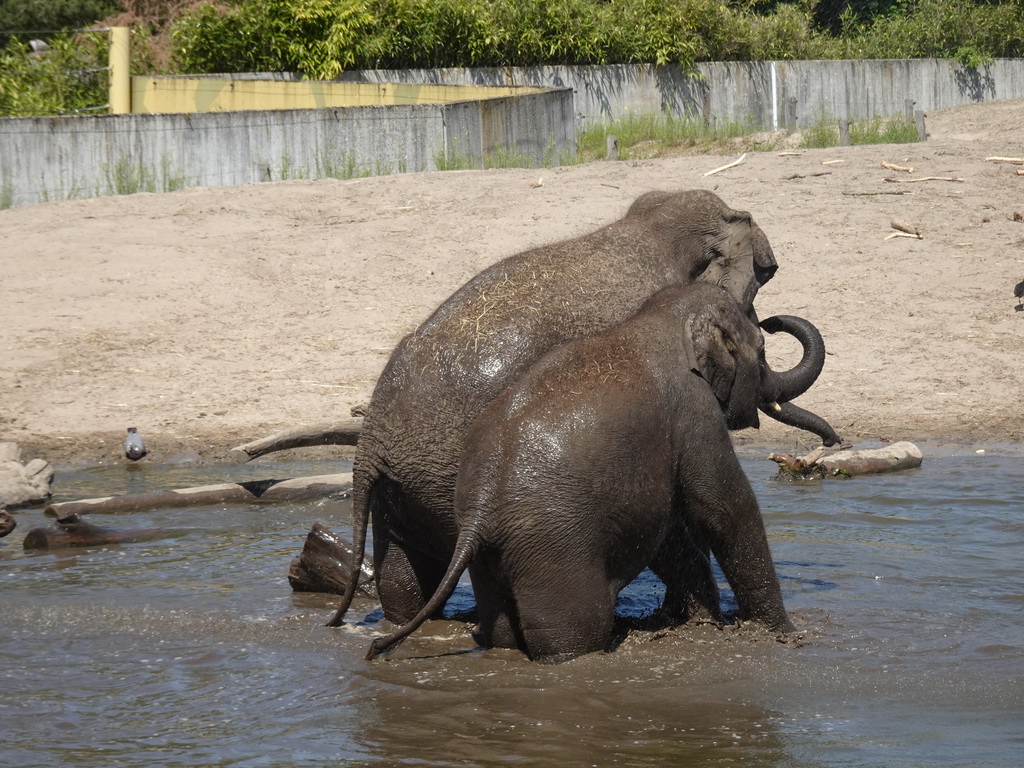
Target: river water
<point>193,651</point>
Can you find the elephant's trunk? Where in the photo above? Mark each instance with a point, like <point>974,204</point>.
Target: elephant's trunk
<point>779,387</point>
<point>795,416</point>
<point>783,386</point>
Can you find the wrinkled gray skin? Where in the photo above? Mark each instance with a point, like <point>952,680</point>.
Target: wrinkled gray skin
<point>486,335</point>
<point>610,454</point>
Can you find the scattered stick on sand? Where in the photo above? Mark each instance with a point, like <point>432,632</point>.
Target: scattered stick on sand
<point>727,166</point>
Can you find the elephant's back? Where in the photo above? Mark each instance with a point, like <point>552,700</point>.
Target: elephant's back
<point>501,321</point>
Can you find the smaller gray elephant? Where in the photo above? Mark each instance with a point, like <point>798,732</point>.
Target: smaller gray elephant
<point>611,454</point>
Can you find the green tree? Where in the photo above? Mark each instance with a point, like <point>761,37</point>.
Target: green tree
<point>60,80</point>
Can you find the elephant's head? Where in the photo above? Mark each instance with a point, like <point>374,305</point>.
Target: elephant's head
<point>727,350</point>
<point>718,244</point>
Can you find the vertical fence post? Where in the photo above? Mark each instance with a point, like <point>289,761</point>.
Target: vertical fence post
<point>611,147</point>
<point>120,71</point>
<point>908,109</point>
<point>922,134</point>
<point>791,115</point>
<point>844,133</point>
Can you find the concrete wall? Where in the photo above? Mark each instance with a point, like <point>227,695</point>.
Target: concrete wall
<point>59,158</point>
<point>63,157</point>
<point>750,92</point>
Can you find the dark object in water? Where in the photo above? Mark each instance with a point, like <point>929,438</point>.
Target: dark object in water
<point>325,564</point>
<point>7,523</point>
<point>134,447</point>
<point>73,531</point>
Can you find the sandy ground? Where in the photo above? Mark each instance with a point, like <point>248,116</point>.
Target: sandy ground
<point>213,316</point>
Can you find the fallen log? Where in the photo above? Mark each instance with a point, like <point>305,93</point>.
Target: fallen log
<point>1014,160</point>
<point>325,564</point>
<point>296,489</point>
<point>72,531</point>
<point>330,433</point>
<point>891,458</point>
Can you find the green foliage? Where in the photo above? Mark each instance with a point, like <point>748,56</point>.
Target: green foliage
<point>37,17</point>
<point>59,80</point>
<point>787,33</point>
<point>823,133</point>
<point>973,33</point>
<point>878,130</point>
<point>646,134</point>
<point>126,177</point>
<point>321,38</point>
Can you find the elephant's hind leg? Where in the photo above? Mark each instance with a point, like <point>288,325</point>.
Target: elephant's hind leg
<point>571,615</point>
<point>496,612</point>
<point>406,577</point>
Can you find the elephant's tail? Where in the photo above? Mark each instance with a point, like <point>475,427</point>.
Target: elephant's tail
<point>465,550</point>
<point>360,521</point>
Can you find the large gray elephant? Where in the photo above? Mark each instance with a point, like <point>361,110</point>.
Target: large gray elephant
<point>611,454</point>
<point>486,335</point>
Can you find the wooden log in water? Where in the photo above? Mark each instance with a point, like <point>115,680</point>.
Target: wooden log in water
<point>72,531</point>
<point>296,489</point>
<point>891,458</point>
<point>345,432</point>
<point>325,564</point>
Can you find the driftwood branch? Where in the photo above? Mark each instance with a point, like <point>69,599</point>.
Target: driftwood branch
<point>806,175</point>
<point>329,433</point>
<point>892,458</point>
<point>923,178</point>
<point>727,166</point>
<point>893,167</point>
<point>1014,160</point>
<point>72,531</point>
<point>325,563</point>
<point>874,194</point>
<point>902,226</point>
<point>234,493</point>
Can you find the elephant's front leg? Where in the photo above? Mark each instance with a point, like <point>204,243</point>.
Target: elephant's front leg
<point>722,503</point>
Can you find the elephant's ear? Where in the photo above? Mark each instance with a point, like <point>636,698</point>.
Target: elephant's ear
<point>711,351</point>
<point>734,266</point>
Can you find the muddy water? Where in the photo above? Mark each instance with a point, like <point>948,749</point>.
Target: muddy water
<point>193,651</point>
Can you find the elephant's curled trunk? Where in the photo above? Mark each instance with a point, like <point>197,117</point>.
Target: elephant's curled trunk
<point>782,386</point>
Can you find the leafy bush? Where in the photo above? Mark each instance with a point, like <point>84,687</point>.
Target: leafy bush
<point>62,79</point>
<point>36,17</point>
<point>321,38</point>
<point>956,29</point>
